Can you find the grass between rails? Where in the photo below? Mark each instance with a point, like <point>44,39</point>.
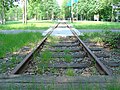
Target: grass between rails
<point>16,25</point>
<point>13,42</point>
<point>96,25</point>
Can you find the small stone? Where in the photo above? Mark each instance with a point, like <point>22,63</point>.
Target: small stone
<point>76,70</point>
<point>6,59</point>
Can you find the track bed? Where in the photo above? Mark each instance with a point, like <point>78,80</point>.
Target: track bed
<point>64,63</point>
<point>61,56</point>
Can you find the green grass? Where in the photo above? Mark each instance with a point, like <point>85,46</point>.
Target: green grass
<point>17,25</point>
<point>107,37</point>
<point>12,42</point>
<point>70,72</point>
<point>96,25</point>
<point>42,25</point>
<point>46,55</point>
<point>70,86</point>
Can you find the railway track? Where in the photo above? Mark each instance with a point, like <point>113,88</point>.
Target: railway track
<point>111,61</point>
<point>60,56</point>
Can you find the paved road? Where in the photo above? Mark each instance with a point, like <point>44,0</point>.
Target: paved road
<point>64,31</point>
<point>41,31</point>
<point>19,31</point>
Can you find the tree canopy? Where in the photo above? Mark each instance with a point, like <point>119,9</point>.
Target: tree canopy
<point>49,9</point>
<point>36,9</point>
<point>86,9</point>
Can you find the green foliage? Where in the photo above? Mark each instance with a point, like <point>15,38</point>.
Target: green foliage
<point>112,38</point>
<point>13,42</point>
<point>66,51</point>
<point>16,25</point>
<point>107,37</point>
<point>42,64</point>
<point>114,86</point>
<point>70,72</point>
<point>14,13</point>
<point>97,39</point>
<point>86,9</point>
<point>9,65</point>
<point>37,9</point>
<point>96,25</point>
<point>34,9</point>
<point>53,40</point>
<point>4,7</point>
<point>68,57</point>
<point>69,86</point>
<point>49,9</point>
<point>3,68</point>
<point>65,11</point>
<point>46,56</point>
<point>43,9</point>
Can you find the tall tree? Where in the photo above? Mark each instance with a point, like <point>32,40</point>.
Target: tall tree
<point>65,10</point>
<point>88,8</point>
<point>4,6</point>
<point>107,12</point>
<point>43,9</point>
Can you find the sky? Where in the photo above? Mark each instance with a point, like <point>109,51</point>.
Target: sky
<point>60,2</point>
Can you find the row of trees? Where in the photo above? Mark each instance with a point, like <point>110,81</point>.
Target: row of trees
<point>4,7</point>
<point>86,9</point>
<point>43,9</point>
<point>36,9</point>
<point>49,9</point>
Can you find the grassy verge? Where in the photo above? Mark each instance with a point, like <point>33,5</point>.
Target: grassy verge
<point>112,39</point>
<point>13,42</point>
<point>16,25</point>
<point>70,86</point>
<point>96,25</point>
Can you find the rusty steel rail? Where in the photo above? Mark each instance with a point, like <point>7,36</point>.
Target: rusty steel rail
<point>101,67</point>
<point>21,66</point>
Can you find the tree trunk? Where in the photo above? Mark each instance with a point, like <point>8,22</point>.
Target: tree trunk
<point>25,11</point>
<point>112,19</point>
<point>52,15</point>
<point>81,18</point>
<point>3,14</point>
<point>36,17</point>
